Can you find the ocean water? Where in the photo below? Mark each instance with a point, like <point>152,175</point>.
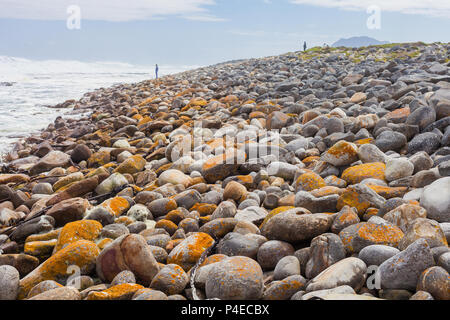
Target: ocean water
<point>37,84</point>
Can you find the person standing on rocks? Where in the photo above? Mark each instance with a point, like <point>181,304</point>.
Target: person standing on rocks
<point>156,71</point>
<point>304,46</point>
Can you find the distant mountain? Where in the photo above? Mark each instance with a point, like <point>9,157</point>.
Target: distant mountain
<point>355,42</point>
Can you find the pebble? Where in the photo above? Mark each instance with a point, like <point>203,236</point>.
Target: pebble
<point>9,283</point>
<point>403,270</point>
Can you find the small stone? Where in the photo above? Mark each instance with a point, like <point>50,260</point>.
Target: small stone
<point>271,252</point>
<point>286,267</point>
<point>291,227</point>
<point>398,168</point>
<point>341,154</point>
<point>171,280</point>
<point>9,283</point>
<point>390,140</point>
<point>436,281</point>
<point>375,255</point>
<point>403,270</point>
<point>325,250</point>
<point>284,289</point>
<point>436,201</point>
<point>236,278</point>
<point>63,293</point>
<point>114,181</point>
<point>235,191</point>
<point>188,252</point>
<point>125,276</point>
<point>422,228</point>
<point>174,177</point>
<point>349,271</point>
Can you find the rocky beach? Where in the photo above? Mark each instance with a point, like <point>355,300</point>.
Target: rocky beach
<point>322,174</point>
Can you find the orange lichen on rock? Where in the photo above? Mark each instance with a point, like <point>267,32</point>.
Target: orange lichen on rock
<point>311,159</point>
<point>167,225</point>
<point>205,209</point>
<point>54,234</point>
<point>39,248</point>
<point>326,191</point>
<point>274,212</point>
<point>116,206</point>
<point>99,158</point>
<point>361,142</point>
<point>78,230</point>
<point>388,192</point>
<point>81,253</point>
<point>310,181</point>
<point>123,291</point>
<point>132,165</point>
<point>213,259</point>
<point>103,243</point>
<point>381,234</point>
<point>356,174</point>
<point>188,252</point>
<point>350,197</point>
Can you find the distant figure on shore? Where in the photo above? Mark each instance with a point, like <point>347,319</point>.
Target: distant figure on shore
<point>156,71</point>
<point>304,46</point>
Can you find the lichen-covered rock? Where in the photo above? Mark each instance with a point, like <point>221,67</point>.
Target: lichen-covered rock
<point>82,253</point>
<point>436,281</point>
<point>356,174</point>
<point>310,181</point>
<point>171,279</point>
<point>344,218</point>
<point>340,154</point>
<point>284,289</point>
<point>188,252</point>
<point>118,292</point>
<point>422,228</point>
<point>132,165</point>
<point>224,165</point>
<point>78,230</point>
<point>116,206</point>
<point>358,236</point>
<point>236,278</point>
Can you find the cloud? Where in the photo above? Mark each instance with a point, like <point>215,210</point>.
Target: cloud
<point>437,8</point>
<point>108,10</point>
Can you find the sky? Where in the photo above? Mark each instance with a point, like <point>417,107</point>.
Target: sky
<point>204,32</point>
